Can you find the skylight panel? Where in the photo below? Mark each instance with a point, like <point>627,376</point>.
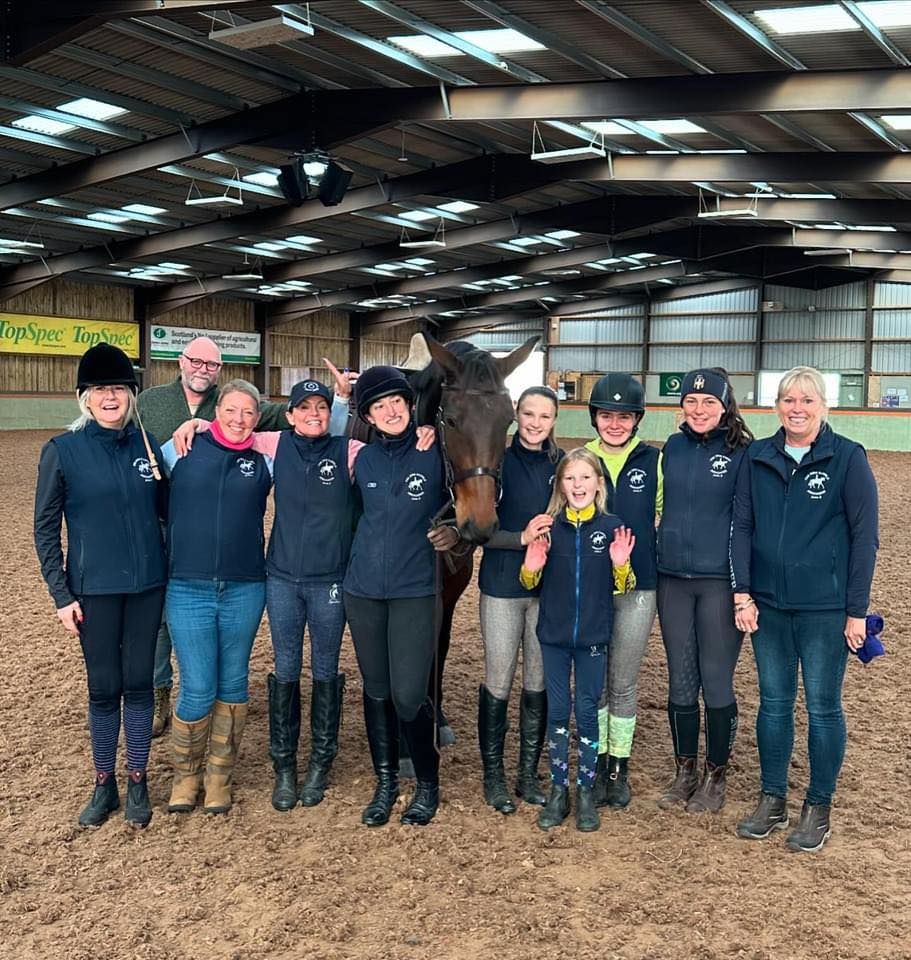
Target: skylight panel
<point>93,109</point>
<point>304,239</point>
<point>563,234</point>
<point>526,241</point>
<point>420,262</point>
<point>269,245</point>
<point>45,125</point>
<point>607,127</point>
<point>424,46</point>
<point>264,178</point>
<point>417,215</point>
<point>457,206</point>
<point>169,265</point>
<point>105,217</point>
<point>897,121</point>
<point>828,18</point>
<point>888,13</point>
<point>678,125</point>
<point>144,209</point>
<point>501,41</point>
<point>493,41</point>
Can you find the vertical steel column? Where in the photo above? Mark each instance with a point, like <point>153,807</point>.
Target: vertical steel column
<point>261,324</point>
<point>757,346</point>
<point>141,318</point>
<point>868,338</point>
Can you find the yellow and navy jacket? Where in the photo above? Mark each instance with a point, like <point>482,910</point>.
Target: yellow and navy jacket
<point>805,535</point>
<point>636,495</point>
<point>579,580</point>
<point>700,475</point>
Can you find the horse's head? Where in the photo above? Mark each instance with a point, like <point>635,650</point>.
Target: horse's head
<point>475,413</point>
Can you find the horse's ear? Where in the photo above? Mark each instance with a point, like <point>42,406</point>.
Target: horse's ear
<point>515,359</point>
<point>450,363</point>
<point>418,354</point>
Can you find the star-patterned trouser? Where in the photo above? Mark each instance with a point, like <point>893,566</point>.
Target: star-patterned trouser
<point>588,664</point>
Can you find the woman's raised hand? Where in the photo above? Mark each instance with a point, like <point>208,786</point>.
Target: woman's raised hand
<point>427,437</point>
<point>622,546</point>
<point>71,616</point>
<point>184,434</point>
<point>344,379</point>
<point>537,527</point>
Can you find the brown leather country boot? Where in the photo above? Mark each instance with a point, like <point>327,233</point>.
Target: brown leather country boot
<point>228,720</point>
<point>188,745</point>
<point>709,795</point>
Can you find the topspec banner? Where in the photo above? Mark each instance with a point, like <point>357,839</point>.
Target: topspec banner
<point>64,336</point>
<point>168,343</point>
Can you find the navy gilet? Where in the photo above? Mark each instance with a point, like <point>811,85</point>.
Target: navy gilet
<point>113,532</point>
<point>314,509</point>
<point>634,499</point>
<point>215,519</point>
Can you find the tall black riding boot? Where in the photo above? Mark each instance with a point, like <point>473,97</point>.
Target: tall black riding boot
<point>491,737</point>
<point>325,717</point>
<point>532,727</point>
<point>383,736</point>
<point>420,734</point>
<point>284,733</point>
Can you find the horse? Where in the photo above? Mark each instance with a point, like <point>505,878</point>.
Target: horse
<point>460,390</point>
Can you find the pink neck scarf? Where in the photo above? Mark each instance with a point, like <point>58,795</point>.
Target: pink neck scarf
<point>223,441</point>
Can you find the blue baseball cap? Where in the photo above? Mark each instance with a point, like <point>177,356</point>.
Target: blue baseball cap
<point>308,388</point>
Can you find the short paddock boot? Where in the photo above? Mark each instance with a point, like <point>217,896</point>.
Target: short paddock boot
<point>162,711</point>
<point>138,809</point>
<point>325,717</point>
<point>105,800</point>
<point>618,791</point>
<point>812,830</point>
<point>678,792</point>
<point>188,747</point>
<point>491,737</point>
<point>284,734</point>
<point>383,736</point>
<point>532,727</point>
<point>587,818</point>
<point>228,721</point>
<point>771,813</point>
<point>709,795</point>
<point>600,786</point>
<point>426,799</point>
<point>556,809</point>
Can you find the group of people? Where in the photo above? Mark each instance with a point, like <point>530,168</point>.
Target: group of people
<point>723,536</point>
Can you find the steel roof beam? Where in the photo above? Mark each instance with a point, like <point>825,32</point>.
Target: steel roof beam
<point>875,34</point>
<point>623,278</point>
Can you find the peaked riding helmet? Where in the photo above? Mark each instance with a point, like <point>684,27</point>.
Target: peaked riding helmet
<point>378,382</point>
<point>617,391</point>
<point>105,365</point>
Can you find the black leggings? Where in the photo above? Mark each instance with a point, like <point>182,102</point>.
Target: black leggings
<point>118,635</point>
<point>702,643</point>
<point>395,644</point>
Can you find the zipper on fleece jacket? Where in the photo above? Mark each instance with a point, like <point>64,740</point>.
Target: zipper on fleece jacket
<point>578,582</point>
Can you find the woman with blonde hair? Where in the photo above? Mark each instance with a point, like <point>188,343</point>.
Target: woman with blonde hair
<point>803,550</point>
<point>578,564</point>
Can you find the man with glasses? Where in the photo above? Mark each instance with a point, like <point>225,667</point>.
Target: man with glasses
<point>163,409</point>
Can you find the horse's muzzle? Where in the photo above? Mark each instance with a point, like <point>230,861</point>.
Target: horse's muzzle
<point>477,535</point>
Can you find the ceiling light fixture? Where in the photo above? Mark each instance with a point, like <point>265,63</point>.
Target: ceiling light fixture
<point>196,198</point>
<point>263,33</point>
<point>593,150</point>
<point>437,240</point>
<point>247,271</point>
<point>710,208</point>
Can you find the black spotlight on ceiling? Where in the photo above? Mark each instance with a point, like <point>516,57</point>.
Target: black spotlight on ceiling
<point>311,175</point>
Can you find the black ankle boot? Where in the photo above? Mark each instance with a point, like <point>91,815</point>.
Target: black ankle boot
<point>325,717</point>
<point>105,800</point>
<point>618,791</point>
<point>420,735</point>
<point>771,813</point>
<point>600,788</point>
<point>556,810</point>
<point>532,727</point>
<point>812,830</point>
<point>284,733</point>
<point>587,819</point>
<point>491,737</point>
<point>138,809</point>
<point>383,737</point>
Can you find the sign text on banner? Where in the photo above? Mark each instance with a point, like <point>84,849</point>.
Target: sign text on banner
<point>168,343</point>
<point>64,336</point>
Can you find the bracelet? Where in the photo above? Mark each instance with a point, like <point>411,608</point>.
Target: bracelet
<point>745,605</point>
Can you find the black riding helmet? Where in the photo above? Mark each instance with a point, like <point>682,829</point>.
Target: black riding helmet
<point>617,391</point>
<point>378,382</point>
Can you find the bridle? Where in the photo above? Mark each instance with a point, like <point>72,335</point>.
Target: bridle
<point>451,476</point>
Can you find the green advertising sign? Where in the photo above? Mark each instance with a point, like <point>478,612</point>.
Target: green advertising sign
<point>670,384</point>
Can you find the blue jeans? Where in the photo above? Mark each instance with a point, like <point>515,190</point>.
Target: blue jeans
<point>815,640</point>
<point>292,606</point>
<point>213,624</point>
